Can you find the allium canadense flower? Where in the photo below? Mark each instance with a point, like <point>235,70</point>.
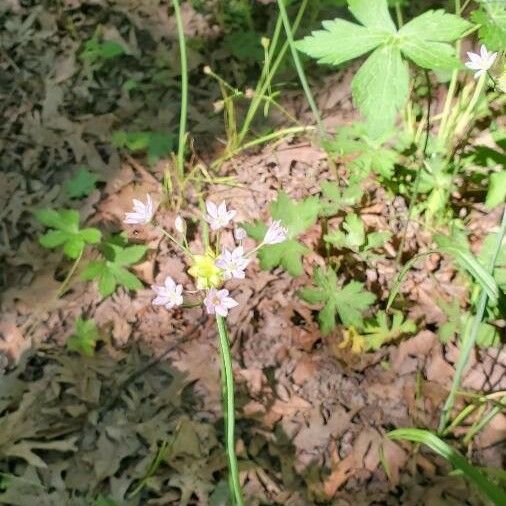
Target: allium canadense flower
<point>481,62</point>
<point>169,294</point>
<point>233,263</point>
<point>218,216</point>
<point>218,302</point>
<point>276,233</point>
<point>142,213</point>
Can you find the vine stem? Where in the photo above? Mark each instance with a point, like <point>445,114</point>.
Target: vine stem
<point>229,401</point>
<point>299,67</point>
<point>184,89</point>
<point>470,337</point>
<point>64,285</point>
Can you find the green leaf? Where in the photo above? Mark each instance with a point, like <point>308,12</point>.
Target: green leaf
<point>156,144</point>
<point>297,217</point>
<point>128,255</point>
<point>85,338</point>
<point>53,238</point>
<point>496,190</point>
<point>470,263</point>
<point>124,277</point>
<point>111,271</point>
<point>354,237</point>
<point>245,46</point>
<point>348,302</point>
<point>66,219</point>
<point>380,88</point>
<point>106,283</point>
<point>373,14</point>
<point>494,493</point>
<point>436,26</point>
<point>377,239</point>
<point>334,198</point>
<point>380,331</point>
<point>94,50</point>
<point>430,55</point>
<point>492,20</point>
<point>73,246</point>
<point>91,235</point>
<point>340,41</point>
<point>81,184</point>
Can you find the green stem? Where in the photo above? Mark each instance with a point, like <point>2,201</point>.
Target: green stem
<point>260,140</point>
<point>418,177</point>
<point>264,82</point>
<point>465,119</point>
<point>184,89</point>
<point>477,427</point>
<point>470,338</point>
<point>63,287</point>
<point>228,385</point>
<point>299,67</point>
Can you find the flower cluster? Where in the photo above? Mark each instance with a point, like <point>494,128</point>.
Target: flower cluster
<point>212,268</point>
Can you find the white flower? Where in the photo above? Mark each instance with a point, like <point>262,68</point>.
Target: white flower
<point>275,233</point>
<point>480,63</point>
<point>240,234</point>
<point>218,301</point>
<point>218,216</point>
<point>179,224</point>
<point>232,263</point>
<point>142,213</point>
<point>168,295</point>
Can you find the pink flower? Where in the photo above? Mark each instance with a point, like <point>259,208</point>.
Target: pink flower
<point>218,302</point>
<point>232,263</point>
<point>168,295</point>
<point>275,233</point>
<point>142,213</point>
<point>218,216</point>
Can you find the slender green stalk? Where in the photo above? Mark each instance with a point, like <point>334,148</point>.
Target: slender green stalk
<point>228,386</point>
<point>418,177</point>
<point>470,338</point>
<point>465,119</point>
<point>260,140</point>
<point>299,67</point>
<point>184,89</point>
<point>264,81</point>
<point>477,427</point>
<point>64,285</point>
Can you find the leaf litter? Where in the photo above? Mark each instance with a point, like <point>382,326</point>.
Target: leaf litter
<point>312,416</point>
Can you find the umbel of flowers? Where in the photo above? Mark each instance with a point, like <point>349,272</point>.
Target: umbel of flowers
<point>211,269</point>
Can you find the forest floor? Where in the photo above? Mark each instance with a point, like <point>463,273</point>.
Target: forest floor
<point>312,415</point>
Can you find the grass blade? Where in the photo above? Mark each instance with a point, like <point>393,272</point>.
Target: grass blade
<point>437,445</point>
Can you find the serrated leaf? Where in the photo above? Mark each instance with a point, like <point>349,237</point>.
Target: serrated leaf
<point>85,338</point>
<point>66,219</point>
<point>436,26</point>
<point>91,235</point>
<point>496,189</point>
<point>334,198</point>
<point>287,254</point>
<point>295,216</point>
<point>73,246</point>
<point>53,238</point>
<point>128,255</point>
<point>380,88</point>
<point>81,184</point>
<point>430,55</point>
<point>492,20</point>
<point>347,302</point>
<point>381,331</point>
<point>373,14</point>
<point>111,271</point>
<point>354,237</point>
<point>377,239</point>
<point>340,41</point>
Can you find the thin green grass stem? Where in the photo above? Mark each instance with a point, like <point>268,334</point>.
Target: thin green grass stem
<point>300,68</point>
<point>184,89</point>
<point>470,338</point>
